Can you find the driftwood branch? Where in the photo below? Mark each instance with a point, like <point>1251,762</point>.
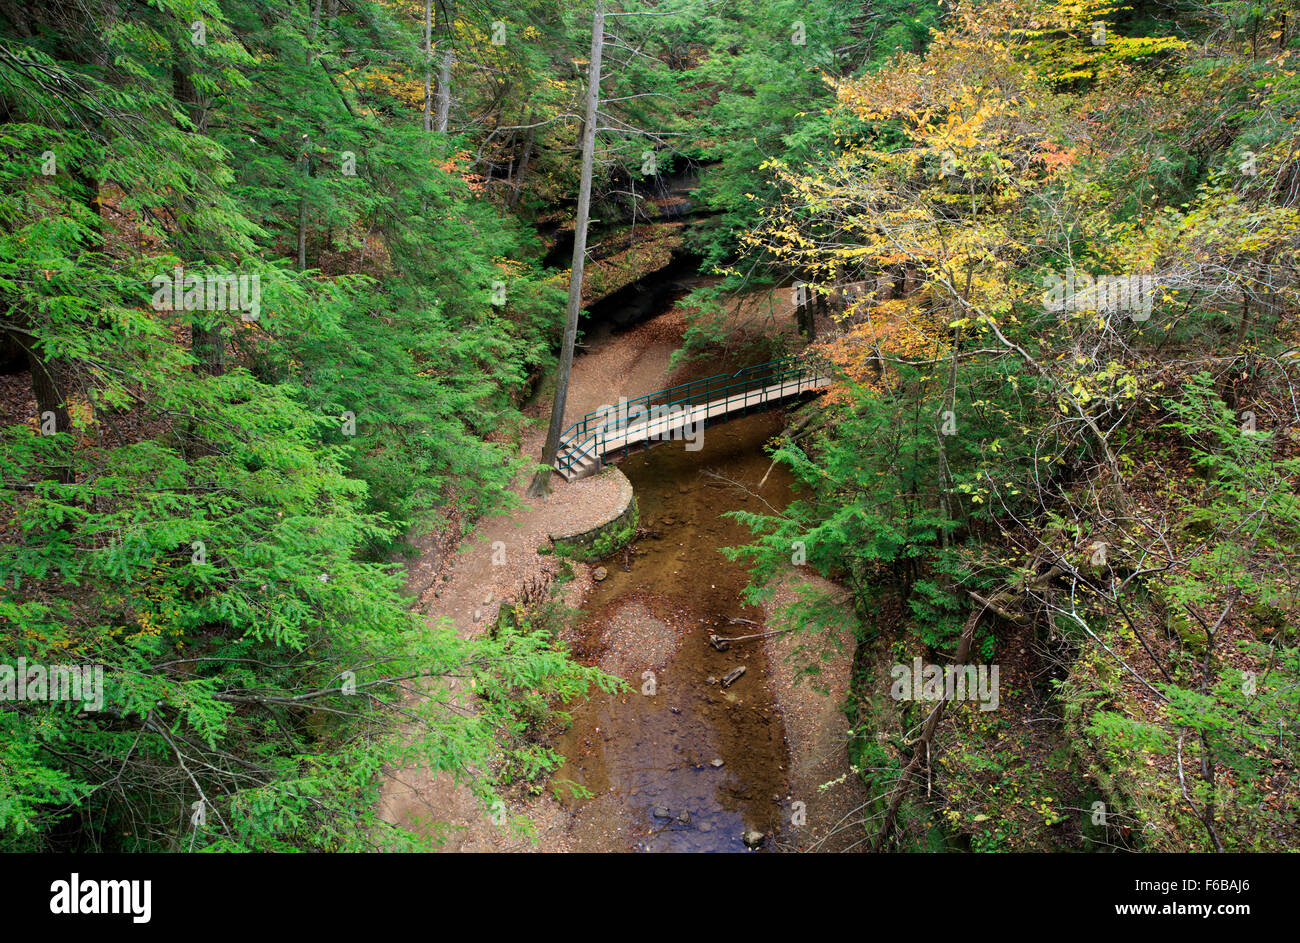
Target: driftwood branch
<point>746,638</point>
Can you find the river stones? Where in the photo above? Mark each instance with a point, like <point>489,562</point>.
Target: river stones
<point>753,838</point>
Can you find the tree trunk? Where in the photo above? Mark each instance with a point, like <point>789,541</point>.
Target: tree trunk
<point>302,208</point>
<point>428,65</point>
<point>48,383</point>
<point>945,473</point>
<point>921,749</point>
<point>803,309</point>
<point>302,233</point>
<point>521,172</point>
<point>542,481</point>
<point>46,389</point>
<point>207,343</point>
<point>1244,324</point>
<point>315,25</point>
<point>444,92</point>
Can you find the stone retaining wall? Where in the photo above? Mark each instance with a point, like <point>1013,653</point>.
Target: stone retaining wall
<point>593,543</point>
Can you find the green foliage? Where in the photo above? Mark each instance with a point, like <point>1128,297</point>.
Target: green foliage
<point>1138,533</point>
<point>206,505</point>
<point>209,518</point>
<point>875,519</point>
<point>763,93</point>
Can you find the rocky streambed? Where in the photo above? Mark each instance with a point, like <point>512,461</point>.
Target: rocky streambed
<point>692,757</point>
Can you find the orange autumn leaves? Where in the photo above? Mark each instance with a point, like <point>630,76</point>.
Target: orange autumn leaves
<point>456,165</point>
<point>890,331</point>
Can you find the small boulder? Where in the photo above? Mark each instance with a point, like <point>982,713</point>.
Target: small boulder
<point>717,762</point>
<point>753,838</point>
<point>662,812</point>
<point>599,574</point>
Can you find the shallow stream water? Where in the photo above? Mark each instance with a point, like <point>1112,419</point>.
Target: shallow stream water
<point>650,760</point>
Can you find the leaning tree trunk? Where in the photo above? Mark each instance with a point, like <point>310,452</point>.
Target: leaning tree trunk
<point>542,481</point>
<point>921,750</point>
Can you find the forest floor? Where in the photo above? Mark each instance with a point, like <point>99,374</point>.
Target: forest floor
<point>463,585</point>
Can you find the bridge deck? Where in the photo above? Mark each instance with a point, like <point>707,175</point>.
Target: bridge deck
<point>675,419</point>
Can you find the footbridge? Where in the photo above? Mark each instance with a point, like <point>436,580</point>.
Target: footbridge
<point>680,411</point>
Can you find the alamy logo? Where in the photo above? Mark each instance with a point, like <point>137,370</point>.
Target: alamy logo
<point>24,682</point>
<point>76,896</point>
<point>659,423</point>
<point>921,682</point>
<point>1107,294</point>
<point>177,291</point>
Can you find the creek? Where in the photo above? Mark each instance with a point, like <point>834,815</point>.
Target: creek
<point>649,761</point>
